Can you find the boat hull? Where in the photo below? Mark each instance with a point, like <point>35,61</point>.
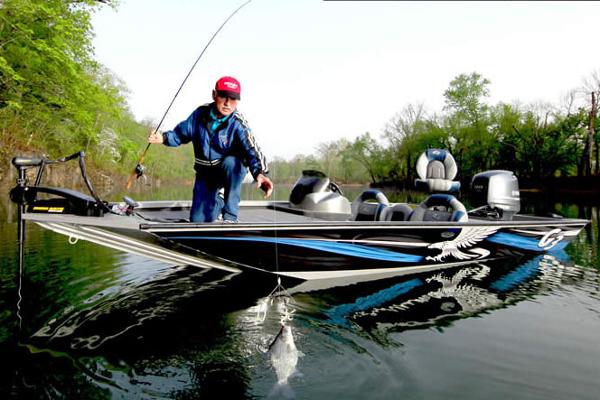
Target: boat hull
<point>310,248</point>
<point>334,250</point>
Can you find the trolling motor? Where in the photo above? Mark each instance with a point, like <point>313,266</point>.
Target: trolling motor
<point>61,201</point>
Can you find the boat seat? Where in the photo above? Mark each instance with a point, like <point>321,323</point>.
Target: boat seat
<point>440,207</point>
<point>369,206</point>
<point>437,169</point>
<point>396,212</point>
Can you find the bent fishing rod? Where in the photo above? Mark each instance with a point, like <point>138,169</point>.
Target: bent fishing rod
<point>138,171</point>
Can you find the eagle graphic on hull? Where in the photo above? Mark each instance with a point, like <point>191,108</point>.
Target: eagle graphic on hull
<point>467,237</point>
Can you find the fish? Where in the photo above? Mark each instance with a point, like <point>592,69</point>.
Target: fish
<point>284,357</point>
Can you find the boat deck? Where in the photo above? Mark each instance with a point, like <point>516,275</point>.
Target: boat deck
<point>251,214</point>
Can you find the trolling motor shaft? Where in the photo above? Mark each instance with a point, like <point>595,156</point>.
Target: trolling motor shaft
<point>17,195</point>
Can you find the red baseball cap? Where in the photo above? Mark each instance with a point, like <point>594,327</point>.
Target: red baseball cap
<point>228,86</point>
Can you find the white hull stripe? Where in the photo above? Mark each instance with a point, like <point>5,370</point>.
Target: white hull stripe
<point>124,243</point>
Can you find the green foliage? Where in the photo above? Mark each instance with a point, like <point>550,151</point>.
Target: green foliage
<point>56,99</point>
<point>464,98</point>
<point>51,89</point>
<point>371,155</point>
<point>538,146</point>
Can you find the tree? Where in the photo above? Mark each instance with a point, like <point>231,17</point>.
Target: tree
<point>468,121</point>
<point>328,153</point>
<point>367,152</point>
<point>464,97</point>
<point>401,132</point>
<point>48,76</point>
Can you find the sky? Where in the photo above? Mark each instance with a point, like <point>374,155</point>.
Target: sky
<point>316,71</point>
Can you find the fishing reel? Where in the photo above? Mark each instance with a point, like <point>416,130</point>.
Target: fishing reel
<point>139,171</point>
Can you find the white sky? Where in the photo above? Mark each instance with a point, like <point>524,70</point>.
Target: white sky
<point>315,71</point>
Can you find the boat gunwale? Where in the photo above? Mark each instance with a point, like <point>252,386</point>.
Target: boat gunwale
<point>387,225</point>
<point>311,222</point>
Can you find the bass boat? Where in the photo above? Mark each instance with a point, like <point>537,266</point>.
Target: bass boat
<point>318,234</point>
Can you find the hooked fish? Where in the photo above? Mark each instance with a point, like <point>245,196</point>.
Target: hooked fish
<point>284,354</point>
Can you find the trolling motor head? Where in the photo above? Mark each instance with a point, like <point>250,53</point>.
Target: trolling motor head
<point>59,200</point>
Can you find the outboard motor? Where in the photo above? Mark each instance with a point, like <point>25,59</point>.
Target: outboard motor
<point>496,192</point>
<point>315,192</point>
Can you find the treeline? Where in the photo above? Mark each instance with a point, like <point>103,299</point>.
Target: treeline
<point>535,141</point>
<point>55,99</point>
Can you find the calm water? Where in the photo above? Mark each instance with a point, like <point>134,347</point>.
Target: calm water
<point>92,323</point>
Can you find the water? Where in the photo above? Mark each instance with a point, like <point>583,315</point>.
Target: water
<point>94,323</point>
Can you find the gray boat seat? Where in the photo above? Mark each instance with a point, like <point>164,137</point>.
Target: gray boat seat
<point>396,212</point>
<point>437,169</point>
<point>440,207</point>
<point>369,205</point>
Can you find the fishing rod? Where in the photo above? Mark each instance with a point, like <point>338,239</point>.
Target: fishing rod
<point>138,171</point>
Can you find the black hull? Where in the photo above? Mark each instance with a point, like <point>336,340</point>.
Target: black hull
<point>318,252</point>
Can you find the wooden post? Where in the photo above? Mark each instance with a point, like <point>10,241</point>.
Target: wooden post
<point>593,134</point>
<point>585,164</point>
<point>590,137</point>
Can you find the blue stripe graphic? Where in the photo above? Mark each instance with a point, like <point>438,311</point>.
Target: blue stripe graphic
<point>518,276</point>
<point>346,249</point>
<point>522,242</point>
<point>338,314</point>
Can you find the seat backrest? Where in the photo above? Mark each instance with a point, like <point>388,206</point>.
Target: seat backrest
<point>440,207</point>
<point>437,169</point>
<point>396,212</point>
<point>369,205</point>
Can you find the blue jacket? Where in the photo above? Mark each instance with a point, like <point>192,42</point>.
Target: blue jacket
<point>214,139</point>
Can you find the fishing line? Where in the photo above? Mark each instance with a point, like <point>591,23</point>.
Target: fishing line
<point>276,238</point>
<point>280,291</point>
<point>139,168</point>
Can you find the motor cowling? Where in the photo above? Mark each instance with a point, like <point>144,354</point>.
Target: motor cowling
<point>496,189</point>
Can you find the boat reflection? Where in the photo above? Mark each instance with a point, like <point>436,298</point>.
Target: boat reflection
<point>436,299</point>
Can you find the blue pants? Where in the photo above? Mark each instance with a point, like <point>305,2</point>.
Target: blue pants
<point>206,203</point>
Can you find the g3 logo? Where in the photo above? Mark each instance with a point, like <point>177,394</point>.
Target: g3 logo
<point>551,239</point>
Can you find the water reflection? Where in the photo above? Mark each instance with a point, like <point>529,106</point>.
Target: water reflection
<point>159,337</point>
<point>187,333</point>
<point>437,299</point>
